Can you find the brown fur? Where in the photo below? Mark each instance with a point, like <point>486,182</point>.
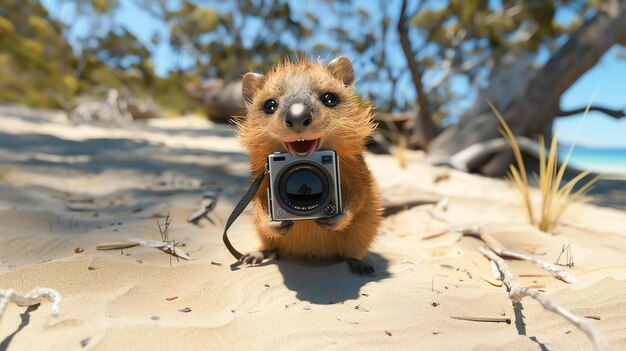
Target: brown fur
<point>345,128</point>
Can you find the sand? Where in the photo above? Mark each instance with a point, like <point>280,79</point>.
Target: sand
<point>65,187</point>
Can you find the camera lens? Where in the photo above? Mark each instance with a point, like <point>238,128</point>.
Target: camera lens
<point>303,188</point>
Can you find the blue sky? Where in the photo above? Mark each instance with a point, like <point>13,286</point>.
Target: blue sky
<point>609,75</point>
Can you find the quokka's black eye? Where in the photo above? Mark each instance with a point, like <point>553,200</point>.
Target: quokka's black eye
<point>270,106</point>
<point>330,99</point>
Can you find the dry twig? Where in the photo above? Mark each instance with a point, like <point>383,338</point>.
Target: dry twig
<point>435,234</point>
<point>482,319</point>
<point>569,258</point>
<point>166,245</point>
<point>518,292</point>
<point>116,245</point>
<point>494,282</point>
<point>209,200</point>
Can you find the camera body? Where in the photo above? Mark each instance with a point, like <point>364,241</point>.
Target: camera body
<point>303,188</point>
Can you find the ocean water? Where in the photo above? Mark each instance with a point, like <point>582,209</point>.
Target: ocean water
<point>611,161</point>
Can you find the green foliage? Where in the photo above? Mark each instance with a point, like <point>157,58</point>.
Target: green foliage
<point>40,67</point>
<point>468,38</point>
<point>34,50</point>
<point>6,27</point>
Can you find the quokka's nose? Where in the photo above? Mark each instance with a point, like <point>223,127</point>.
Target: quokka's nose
<point>298,117</point>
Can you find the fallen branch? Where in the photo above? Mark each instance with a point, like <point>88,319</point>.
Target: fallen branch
<point>553,269</point>
<point>437,216</point>
<point>502,250</point>
<point>463,159</point>
<point>495,273</point>
<point>477,231</point>
<point>518,292</point>
<point>33,297</point>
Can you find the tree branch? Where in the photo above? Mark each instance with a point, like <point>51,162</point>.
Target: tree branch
<point>617,114</point>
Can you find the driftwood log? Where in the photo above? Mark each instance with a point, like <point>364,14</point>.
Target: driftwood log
<point>116,107</point>
<point>222,101</point>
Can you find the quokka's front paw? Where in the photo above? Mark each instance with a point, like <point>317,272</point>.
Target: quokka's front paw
<point>336,222</point>
<point>255,257</point>
<point>280,228</point>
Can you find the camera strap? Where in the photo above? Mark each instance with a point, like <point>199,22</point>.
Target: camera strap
<point>241,205</point>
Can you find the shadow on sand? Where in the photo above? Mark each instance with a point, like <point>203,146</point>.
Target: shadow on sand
<point>4,345</point>
<point>327,282</point>
<point>324,282</point>
<point>122,155</point>
<point>521,326</point>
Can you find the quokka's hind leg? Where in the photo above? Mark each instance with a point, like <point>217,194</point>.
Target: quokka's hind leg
<point>359,267</point>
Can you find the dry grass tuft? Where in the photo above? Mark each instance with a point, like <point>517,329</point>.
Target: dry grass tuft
<point>4,172</point>
<point>399,150</point>
<point>555,199</point>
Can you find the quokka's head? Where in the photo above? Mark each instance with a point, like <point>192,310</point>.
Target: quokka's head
<point>300,107</point>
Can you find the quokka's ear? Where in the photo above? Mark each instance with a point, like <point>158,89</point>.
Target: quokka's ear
<point>250,84</point>
<point>341,68</point>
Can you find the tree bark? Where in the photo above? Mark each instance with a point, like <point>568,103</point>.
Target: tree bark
<point>425,127</point>
<point>533,110</point>
<point>508,77</point>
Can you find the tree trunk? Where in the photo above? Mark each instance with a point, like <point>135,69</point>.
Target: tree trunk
<point>507,78</point>
<point>534,108</point>
<point>424,128</point>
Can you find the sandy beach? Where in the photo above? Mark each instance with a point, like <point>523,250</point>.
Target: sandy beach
<point>65,188</point>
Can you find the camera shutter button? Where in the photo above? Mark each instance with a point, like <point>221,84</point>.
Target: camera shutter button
<point>330,209</point>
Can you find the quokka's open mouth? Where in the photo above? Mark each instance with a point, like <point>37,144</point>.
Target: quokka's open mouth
<point>302,147</point>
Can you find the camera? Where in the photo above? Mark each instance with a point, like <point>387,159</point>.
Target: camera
<point>303,188</point>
